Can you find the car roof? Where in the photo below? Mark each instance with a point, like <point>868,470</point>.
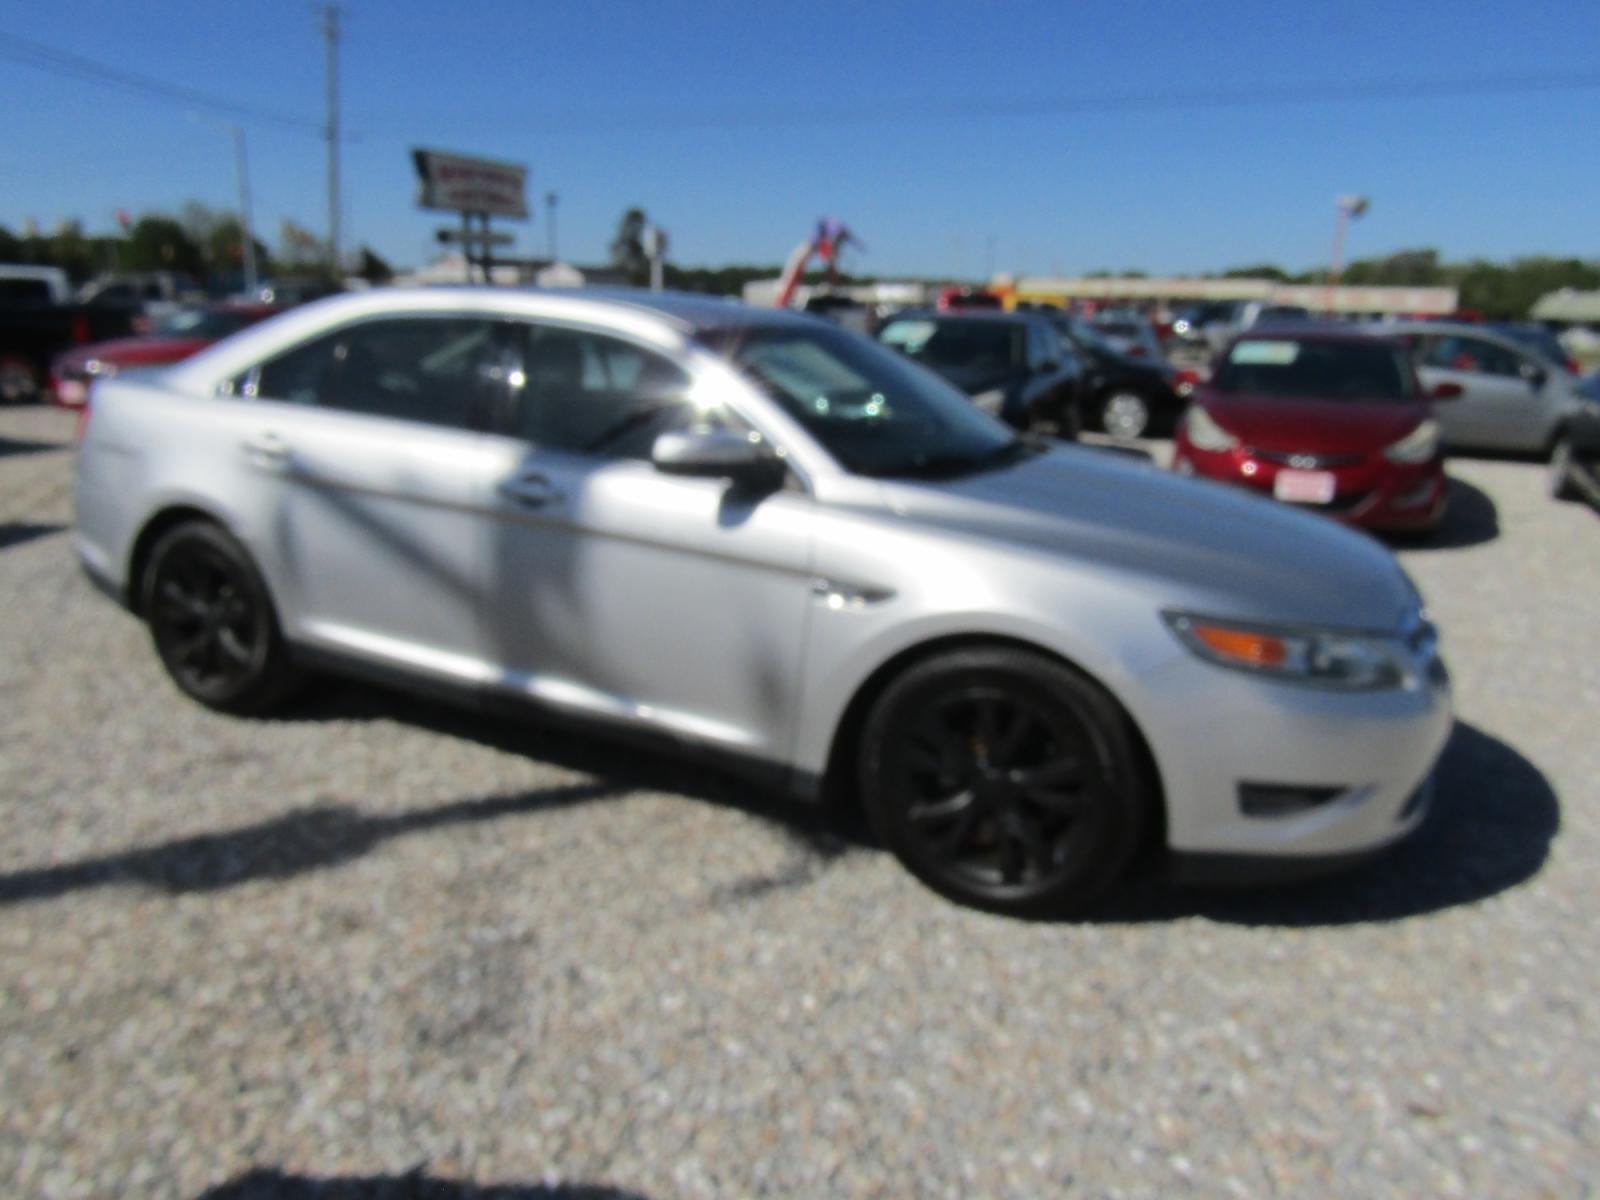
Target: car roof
<point>1317,331</point>
<point>967,314</point>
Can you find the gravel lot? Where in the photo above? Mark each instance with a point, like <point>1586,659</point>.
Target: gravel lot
<point>377,948</point>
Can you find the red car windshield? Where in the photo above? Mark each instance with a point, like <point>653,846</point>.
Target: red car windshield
<point>1318,370</point>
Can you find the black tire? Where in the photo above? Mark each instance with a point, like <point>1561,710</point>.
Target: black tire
<point>213,622</point>
<point>1562,485</point>
<point>1126,414</point>
<point>1006,781</point>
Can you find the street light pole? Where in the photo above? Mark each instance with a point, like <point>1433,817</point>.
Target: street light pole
<point>247,248</point>
<point>1345,208</point>
<point>550,222</point>
<point>330,35</point>
<point>246,224</point>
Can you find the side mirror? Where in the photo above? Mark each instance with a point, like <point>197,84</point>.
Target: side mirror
<point>718,454</point>
<point>1533,374</point>
<point>1445,391</point>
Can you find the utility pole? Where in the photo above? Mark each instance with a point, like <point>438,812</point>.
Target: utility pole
<point>246,225</point>
<point>330,38</point>
<point>550,222</point>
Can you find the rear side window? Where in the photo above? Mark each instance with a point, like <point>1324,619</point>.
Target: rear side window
<point>430,370</point>
<point>593,394</point>
<point>1472,355</point>
<point>25,289</point>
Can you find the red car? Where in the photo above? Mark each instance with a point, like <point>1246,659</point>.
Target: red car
<point>1329,420</point>
<point>186,332</point>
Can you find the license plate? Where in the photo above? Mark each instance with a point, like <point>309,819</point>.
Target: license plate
<point>1304,487</point>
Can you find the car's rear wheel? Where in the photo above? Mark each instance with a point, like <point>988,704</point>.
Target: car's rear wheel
<point>212,620</point>
<point>1125,414</point>
<point>1562,484</point>
<point>1005,780</point>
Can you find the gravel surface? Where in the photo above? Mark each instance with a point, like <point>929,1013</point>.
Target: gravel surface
<point>377,948</point>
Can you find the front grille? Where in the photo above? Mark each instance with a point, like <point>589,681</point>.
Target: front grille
<point>1282,799</point>
<point>1308,462</point>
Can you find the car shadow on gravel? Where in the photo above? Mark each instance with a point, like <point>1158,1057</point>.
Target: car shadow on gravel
<point>1471,520</point>
<point>292,843</point>
<point>14,533</point>
<point>1493,819</point>
<point>13,446</point>
<point>268,1184</point>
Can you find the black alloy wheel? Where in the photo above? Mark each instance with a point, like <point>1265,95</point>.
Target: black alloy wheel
<point>212,620</point>
<point>1005,780</point>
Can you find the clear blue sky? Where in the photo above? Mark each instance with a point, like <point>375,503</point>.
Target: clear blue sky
<point>736,123</point>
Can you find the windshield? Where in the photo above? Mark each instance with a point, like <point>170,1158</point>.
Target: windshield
<point>942,342</point>
<point>1087,336</point>
<point>203,323</point>
<point>1321,370</point>
<point>875,413</point>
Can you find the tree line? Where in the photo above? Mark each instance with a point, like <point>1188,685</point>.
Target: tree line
<point>203,243</point>
<point>1500,291</point>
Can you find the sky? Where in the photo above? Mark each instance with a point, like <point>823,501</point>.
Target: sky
<point>951,137</point>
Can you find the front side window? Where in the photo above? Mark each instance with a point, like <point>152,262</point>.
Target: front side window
<point>430,370</point>
<point>870,409</point>
<point>590,393</point>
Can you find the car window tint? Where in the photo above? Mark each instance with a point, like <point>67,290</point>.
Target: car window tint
<point>1473,355</point>
<point>436,371</point>
<point>594,394</point>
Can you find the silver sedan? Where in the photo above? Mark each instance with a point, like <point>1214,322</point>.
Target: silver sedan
<point>764,537</point>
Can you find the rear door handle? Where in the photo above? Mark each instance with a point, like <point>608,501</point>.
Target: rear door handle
<point>267,450</point>
<point>530,491</point>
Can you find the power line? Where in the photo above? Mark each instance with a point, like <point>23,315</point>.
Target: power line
<point>40,57</point>
<point>931,108</point>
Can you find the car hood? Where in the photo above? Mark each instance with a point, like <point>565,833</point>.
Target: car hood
<point>1217,549</point>
<point>1323,426</point>
<point>137,352</point>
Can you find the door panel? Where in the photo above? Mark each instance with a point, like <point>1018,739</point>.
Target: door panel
<point>1497,408</point>
<point>664,601</point>
<point>375,537</point>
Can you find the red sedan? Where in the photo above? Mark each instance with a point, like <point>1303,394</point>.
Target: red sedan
<point>175,339</point>
<point>1330,420</point>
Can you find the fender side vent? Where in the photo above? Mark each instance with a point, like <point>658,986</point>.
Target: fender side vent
<point>1283,799</point>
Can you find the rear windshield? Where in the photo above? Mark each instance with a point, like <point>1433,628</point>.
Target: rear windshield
<point>1321,370</point>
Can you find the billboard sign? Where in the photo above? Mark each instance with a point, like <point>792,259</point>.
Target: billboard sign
<point>457,183</point>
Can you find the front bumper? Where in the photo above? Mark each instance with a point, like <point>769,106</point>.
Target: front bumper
<point>1217,734</point>
<point>1369,492</point>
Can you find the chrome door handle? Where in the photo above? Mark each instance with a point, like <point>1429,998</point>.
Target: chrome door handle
<point>267,450</point>
<point>530,491</point>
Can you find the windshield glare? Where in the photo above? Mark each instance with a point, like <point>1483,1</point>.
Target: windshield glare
<point>1321,370</point>
<point>874,412</point>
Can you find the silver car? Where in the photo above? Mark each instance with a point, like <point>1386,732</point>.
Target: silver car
<point>768,538</point>
<point>1511,398</point>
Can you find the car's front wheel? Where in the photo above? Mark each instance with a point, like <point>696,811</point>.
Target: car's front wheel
<point>212,620</point>
<point>1005,780</point>
<point>1125,414</point>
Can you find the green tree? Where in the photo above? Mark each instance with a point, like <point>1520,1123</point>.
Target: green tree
<point>157,243</point>
<point>627,248</point>
<point>373,268</point>
<point>10,246</point>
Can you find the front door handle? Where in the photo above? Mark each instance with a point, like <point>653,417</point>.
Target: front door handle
<point>530,491</point>
<point>267,450</point>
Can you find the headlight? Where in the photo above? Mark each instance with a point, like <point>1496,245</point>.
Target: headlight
<point>1418,446</point>
<point>1346,661</point>
<point>991,401</point>
<point>1204,433</point>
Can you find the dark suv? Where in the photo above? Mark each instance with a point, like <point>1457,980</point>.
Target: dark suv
<point>1013,365</point>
